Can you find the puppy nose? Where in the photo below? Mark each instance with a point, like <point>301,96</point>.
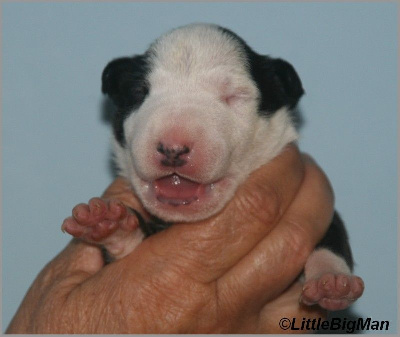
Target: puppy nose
<point>173,155</point>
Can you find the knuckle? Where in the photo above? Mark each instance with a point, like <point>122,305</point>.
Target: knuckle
<point>173,302</point>
<point>263,203</point>
<point>297,242</point>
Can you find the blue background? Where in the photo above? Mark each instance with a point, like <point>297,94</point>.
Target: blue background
<point>55,141</point>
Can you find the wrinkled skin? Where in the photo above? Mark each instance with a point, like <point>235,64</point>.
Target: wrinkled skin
<point>233,273</point>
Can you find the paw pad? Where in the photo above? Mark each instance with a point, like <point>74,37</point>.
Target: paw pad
<point>99,219</point>
<point>332,291</point>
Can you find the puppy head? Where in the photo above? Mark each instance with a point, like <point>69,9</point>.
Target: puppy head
<point>195,115</point>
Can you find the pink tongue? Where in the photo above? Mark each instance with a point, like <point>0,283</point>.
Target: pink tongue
<point>176,187</point>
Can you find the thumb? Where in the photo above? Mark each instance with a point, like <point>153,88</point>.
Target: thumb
<point>72,266</point>
<point>77,262</point>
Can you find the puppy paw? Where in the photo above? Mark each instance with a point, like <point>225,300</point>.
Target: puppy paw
<point>332,291</point>
<point>98,220</point>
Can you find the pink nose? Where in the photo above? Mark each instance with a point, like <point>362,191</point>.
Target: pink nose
<point>173,155</point>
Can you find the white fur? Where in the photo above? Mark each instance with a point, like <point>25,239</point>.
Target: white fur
<point>201,92</point>
<point>322,261</point>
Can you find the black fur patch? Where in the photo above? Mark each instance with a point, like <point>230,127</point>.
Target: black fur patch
<point>276,79</point>
<point>124,81</point>
<point>107,257</point>
<point>151,227</point>
<point>336,240</point>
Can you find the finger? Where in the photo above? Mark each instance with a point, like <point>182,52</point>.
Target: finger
<point>285,314</point>
<point>209,248</point>
<point>280,257</point>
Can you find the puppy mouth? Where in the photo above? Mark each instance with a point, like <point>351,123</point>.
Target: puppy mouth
<point>176,190</point>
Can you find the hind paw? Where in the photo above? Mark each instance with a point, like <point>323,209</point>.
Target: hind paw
<point>332,291</point>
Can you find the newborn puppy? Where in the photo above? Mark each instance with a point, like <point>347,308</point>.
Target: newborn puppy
<point>196,114</point>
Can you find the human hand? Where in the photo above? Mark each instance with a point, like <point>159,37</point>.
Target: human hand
<point>232,273</point>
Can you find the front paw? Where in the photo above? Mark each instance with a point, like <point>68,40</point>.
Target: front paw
<point>99,219</point>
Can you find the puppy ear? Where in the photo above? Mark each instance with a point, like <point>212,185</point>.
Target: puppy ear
<point>278,83</point>
<point>124,81</point>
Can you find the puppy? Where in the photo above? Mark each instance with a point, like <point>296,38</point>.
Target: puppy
<point>196,114</point>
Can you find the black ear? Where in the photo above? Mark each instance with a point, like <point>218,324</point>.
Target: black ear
<point>277,81</point>
<point>124,81</point>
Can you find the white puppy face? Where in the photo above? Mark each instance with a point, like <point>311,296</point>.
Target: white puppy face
<point>193,119</point>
